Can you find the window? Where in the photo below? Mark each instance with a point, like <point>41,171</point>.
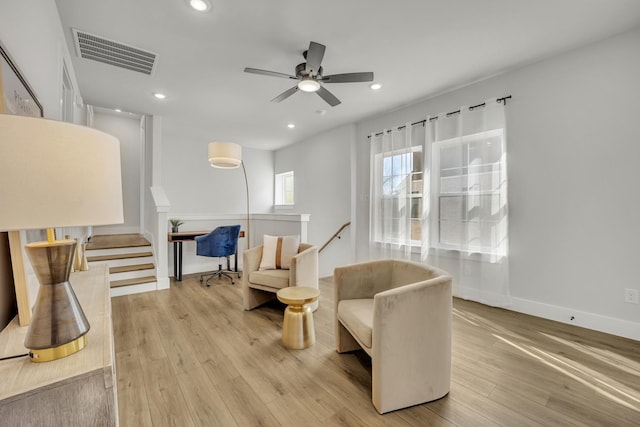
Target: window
<point>470,193</point>
<point>401,199</point>
<point>284,189</point>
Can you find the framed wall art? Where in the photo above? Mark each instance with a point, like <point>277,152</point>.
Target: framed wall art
<point>17,97</point>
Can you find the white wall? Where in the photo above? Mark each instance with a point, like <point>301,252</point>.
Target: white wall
<point>194,187</point>
<point>573,175</point>
<point>155,203</point>
<point>127,130</point>
<point>32,33</point>
<point>322,188</point>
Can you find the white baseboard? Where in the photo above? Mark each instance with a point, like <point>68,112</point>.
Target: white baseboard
<point>609,325</point>
<point>483,297</point>
<point>133,289</point>
<point>163,283</point>
<point>202,267</point>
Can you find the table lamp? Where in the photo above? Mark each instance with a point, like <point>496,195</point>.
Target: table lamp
<point>56,174</point>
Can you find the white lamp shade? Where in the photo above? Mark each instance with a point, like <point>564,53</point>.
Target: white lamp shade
<point>56,174</point>
<point>225,155</point>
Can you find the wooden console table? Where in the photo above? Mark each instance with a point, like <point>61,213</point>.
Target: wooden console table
<point>177,238</point>
<point>77,390</point>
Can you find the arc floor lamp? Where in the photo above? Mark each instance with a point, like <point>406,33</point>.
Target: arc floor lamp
<point>56,174</point>
<point>228,155</point>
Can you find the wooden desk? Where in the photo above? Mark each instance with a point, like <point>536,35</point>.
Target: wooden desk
<point>185,236</point>
<point>77,390</point>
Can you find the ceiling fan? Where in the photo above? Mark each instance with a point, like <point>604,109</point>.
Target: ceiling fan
<point>309,76</point>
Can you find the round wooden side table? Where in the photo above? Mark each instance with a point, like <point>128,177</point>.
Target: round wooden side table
<point>297,328</point>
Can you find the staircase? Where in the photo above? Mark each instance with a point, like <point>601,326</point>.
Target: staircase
<point>130,261</point>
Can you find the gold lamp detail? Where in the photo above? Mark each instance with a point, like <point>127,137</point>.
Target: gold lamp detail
<point>56,174</point>
<point>228,155</point>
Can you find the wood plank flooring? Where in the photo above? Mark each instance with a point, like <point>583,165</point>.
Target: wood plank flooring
<point>190,356</point>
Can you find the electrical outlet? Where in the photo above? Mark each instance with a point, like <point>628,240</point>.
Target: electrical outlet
<point>631,296</point>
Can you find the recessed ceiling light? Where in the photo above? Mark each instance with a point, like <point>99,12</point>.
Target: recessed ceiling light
<point>321,112</point>
<point>200,5</point>
<point>375,86</point>
<point>159,95</point>
<point>291,125</point>
<point>118,110</point>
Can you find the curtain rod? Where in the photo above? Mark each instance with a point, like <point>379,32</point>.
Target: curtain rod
<point>422,122</point>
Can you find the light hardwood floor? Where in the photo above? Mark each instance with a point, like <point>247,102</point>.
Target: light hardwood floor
<point>190,356</point>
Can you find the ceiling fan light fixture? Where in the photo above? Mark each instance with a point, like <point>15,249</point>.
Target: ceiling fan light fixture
<point>311,78</point>
<point>200,5</point>
<point>308,85</point>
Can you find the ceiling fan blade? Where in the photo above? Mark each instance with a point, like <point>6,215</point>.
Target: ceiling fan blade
<point>328,96</point>
<point>315,53</point>
<point>269,73</point>
<point>348,78</point>
<point>284,95</point>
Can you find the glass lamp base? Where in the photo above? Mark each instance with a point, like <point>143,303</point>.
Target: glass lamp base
<point>58,325</point>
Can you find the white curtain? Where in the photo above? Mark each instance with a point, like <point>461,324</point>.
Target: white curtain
<point>439,196</point>
<point>466,221</point>
<point>396,192</point>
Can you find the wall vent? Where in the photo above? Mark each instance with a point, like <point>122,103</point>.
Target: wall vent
<point>110,52</point>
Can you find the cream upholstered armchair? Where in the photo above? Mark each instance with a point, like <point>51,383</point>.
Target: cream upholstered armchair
<point>260,286</point>
<point>399,312</point>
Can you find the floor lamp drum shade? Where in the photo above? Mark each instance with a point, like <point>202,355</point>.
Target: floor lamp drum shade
<point>56,174</point>
<point>225,155</point>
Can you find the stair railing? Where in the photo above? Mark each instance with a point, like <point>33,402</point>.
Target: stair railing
<point>336,235</point>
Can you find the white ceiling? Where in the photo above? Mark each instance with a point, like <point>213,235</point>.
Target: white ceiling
<point>416,48</point>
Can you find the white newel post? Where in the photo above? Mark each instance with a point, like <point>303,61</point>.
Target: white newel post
<point>161,228</point>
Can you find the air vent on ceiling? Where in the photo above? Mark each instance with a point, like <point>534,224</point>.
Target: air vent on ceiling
<point>110,52</point>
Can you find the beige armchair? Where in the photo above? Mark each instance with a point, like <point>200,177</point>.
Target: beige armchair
<point>260,286</point>
<point>399,312</point>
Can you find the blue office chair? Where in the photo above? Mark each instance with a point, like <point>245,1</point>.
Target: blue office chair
<point>221,242</point>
